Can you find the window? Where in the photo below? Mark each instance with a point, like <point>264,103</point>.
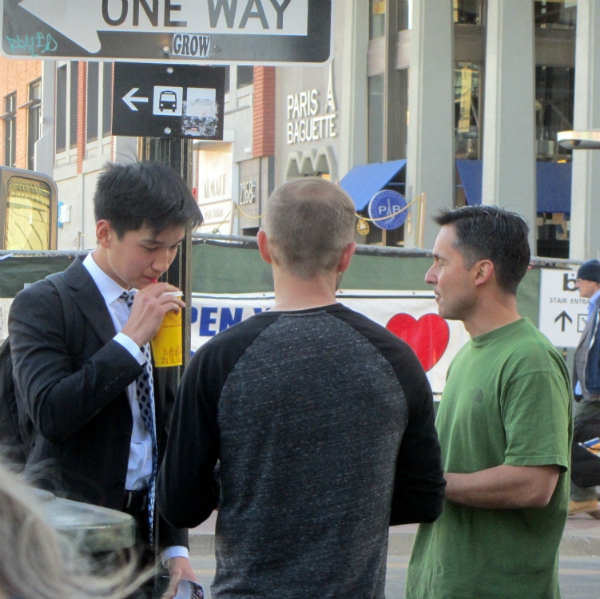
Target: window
<point>245,76</point>
<point>376,19</point>
<point>466,111</point>
<point>10,130</point>
<point>61,109</point>
<point>553,14</point>
<point>467,12</point>
<point>74,104</point>
<point>375,122</point>
<point>27,215</point>
<point>33,121</point>
<point>554,98</point>
<point>107,93</point>
<point>93,72</point>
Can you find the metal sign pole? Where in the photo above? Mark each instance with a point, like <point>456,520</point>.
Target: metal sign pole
<point>176,153</point>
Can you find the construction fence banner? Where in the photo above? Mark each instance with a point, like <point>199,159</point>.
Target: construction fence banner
<point>411,315</point>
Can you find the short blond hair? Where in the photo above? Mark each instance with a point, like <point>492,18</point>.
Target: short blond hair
<point>309,222</point>
<point>36,562</point>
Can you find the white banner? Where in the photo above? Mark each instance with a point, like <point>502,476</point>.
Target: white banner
<point>412,315</point>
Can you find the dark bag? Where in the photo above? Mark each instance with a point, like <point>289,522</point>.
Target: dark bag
<point>585,466</point>
<point>16,431</point>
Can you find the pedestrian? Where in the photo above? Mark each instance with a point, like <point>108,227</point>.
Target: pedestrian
<point>586,377</point>
<point>36,562</point>
<point>100,418</point>
<point>322,422</point>
<point>504,423</point>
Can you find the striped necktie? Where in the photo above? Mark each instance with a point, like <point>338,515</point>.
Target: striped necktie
<point>145,398</point>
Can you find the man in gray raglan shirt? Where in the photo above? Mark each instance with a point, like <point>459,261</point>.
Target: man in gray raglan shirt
<point>322,421</point>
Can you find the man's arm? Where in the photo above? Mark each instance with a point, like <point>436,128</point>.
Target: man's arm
<point>59,399</point>
<point>503,487</point>
<point>419,482</point>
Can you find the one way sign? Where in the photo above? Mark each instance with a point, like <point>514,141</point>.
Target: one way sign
<point>184,31</point>
<point>168,101</point>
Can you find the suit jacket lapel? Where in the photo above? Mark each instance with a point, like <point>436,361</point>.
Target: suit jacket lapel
<point>89,300</point>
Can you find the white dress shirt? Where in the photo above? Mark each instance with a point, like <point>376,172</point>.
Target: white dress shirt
<point>139,467</point>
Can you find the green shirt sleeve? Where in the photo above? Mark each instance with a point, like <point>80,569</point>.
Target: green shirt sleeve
<point>536,415</point>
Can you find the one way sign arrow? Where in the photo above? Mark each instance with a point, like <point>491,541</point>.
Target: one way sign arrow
<point>129,98</point>
<point>563,317</point>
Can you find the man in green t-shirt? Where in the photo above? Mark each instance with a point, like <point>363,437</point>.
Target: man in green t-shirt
<point>504,424</point>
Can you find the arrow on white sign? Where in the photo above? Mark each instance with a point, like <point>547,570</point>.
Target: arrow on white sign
<point>82,20</point>
<point>129,98</point>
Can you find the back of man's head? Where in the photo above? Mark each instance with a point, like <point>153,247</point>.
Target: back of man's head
<point>308,223</point>
<point>491,233</point>
<point>144,194</point>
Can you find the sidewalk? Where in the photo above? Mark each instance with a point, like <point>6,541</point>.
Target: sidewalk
<point>581,538</point>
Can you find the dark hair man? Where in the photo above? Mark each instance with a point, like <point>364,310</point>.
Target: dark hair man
<point>504,423</point>
<point>322,421</point>
<point>101,417</point>
<point>586,377</point>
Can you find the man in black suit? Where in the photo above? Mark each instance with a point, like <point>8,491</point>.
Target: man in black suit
<point>99,436</point>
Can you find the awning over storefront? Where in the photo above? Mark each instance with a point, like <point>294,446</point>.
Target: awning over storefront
<point>363,182</point>
<point>470,172</point>
<point>553,184</point>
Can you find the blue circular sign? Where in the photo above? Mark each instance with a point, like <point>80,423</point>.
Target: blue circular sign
<point>388,203</point>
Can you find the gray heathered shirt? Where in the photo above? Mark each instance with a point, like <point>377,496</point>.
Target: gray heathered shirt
<point>324,427</point>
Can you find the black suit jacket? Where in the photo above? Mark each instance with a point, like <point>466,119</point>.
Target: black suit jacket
<point>78,404</point>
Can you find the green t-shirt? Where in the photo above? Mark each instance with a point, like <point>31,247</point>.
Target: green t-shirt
<point>507,401</point>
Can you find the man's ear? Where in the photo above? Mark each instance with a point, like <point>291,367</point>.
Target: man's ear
<point>263,247</point>
<point>104,233</point>
<point>347,254</point>
<point>484,271</point>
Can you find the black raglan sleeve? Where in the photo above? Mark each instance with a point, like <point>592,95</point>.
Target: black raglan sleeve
<point>419,481</point>
<point>188,487</point>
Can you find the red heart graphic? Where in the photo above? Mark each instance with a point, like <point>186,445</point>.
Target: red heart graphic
<point>427,336</point>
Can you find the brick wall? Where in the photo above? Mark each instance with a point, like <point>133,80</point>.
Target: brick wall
<point>16,75</point>
<point>263,143</point>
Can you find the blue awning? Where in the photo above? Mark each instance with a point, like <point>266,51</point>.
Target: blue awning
<point>471,173</point>
<point>553,181</point>
<point>363,182</point>
<point>553,184</point>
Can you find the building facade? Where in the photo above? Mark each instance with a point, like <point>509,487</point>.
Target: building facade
<point>451,101</point>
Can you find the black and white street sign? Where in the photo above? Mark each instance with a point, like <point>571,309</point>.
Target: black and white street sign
<point>562,312</point>
<point>176,101</point>
<point>276,32</point>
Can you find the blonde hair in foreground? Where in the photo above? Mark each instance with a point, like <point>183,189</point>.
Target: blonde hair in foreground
<point>38,563</point>
<point>308,223</point>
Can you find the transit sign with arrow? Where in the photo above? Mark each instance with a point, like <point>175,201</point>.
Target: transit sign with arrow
<point>562,311</point>
<point>172,101</point>
<point>185,31</point>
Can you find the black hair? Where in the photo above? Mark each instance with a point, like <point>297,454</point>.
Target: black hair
<point>144,194</point>
<point>491,233</point>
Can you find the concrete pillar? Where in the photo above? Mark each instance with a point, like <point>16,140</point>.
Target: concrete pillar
<point>585,190</point>
<point>430,144</point>
<point>509,123</point>
<point>353,104</point>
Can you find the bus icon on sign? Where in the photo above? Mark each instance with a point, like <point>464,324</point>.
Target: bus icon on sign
<point>167,101</point>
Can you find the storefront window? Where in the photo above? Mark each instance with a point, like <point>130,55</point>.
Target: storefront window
<point>466,12</point>
<point>466,111</point>
<point>376,108</point>
<point>554,97</point>
<point>376,19</point>
<point>555,14</point>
